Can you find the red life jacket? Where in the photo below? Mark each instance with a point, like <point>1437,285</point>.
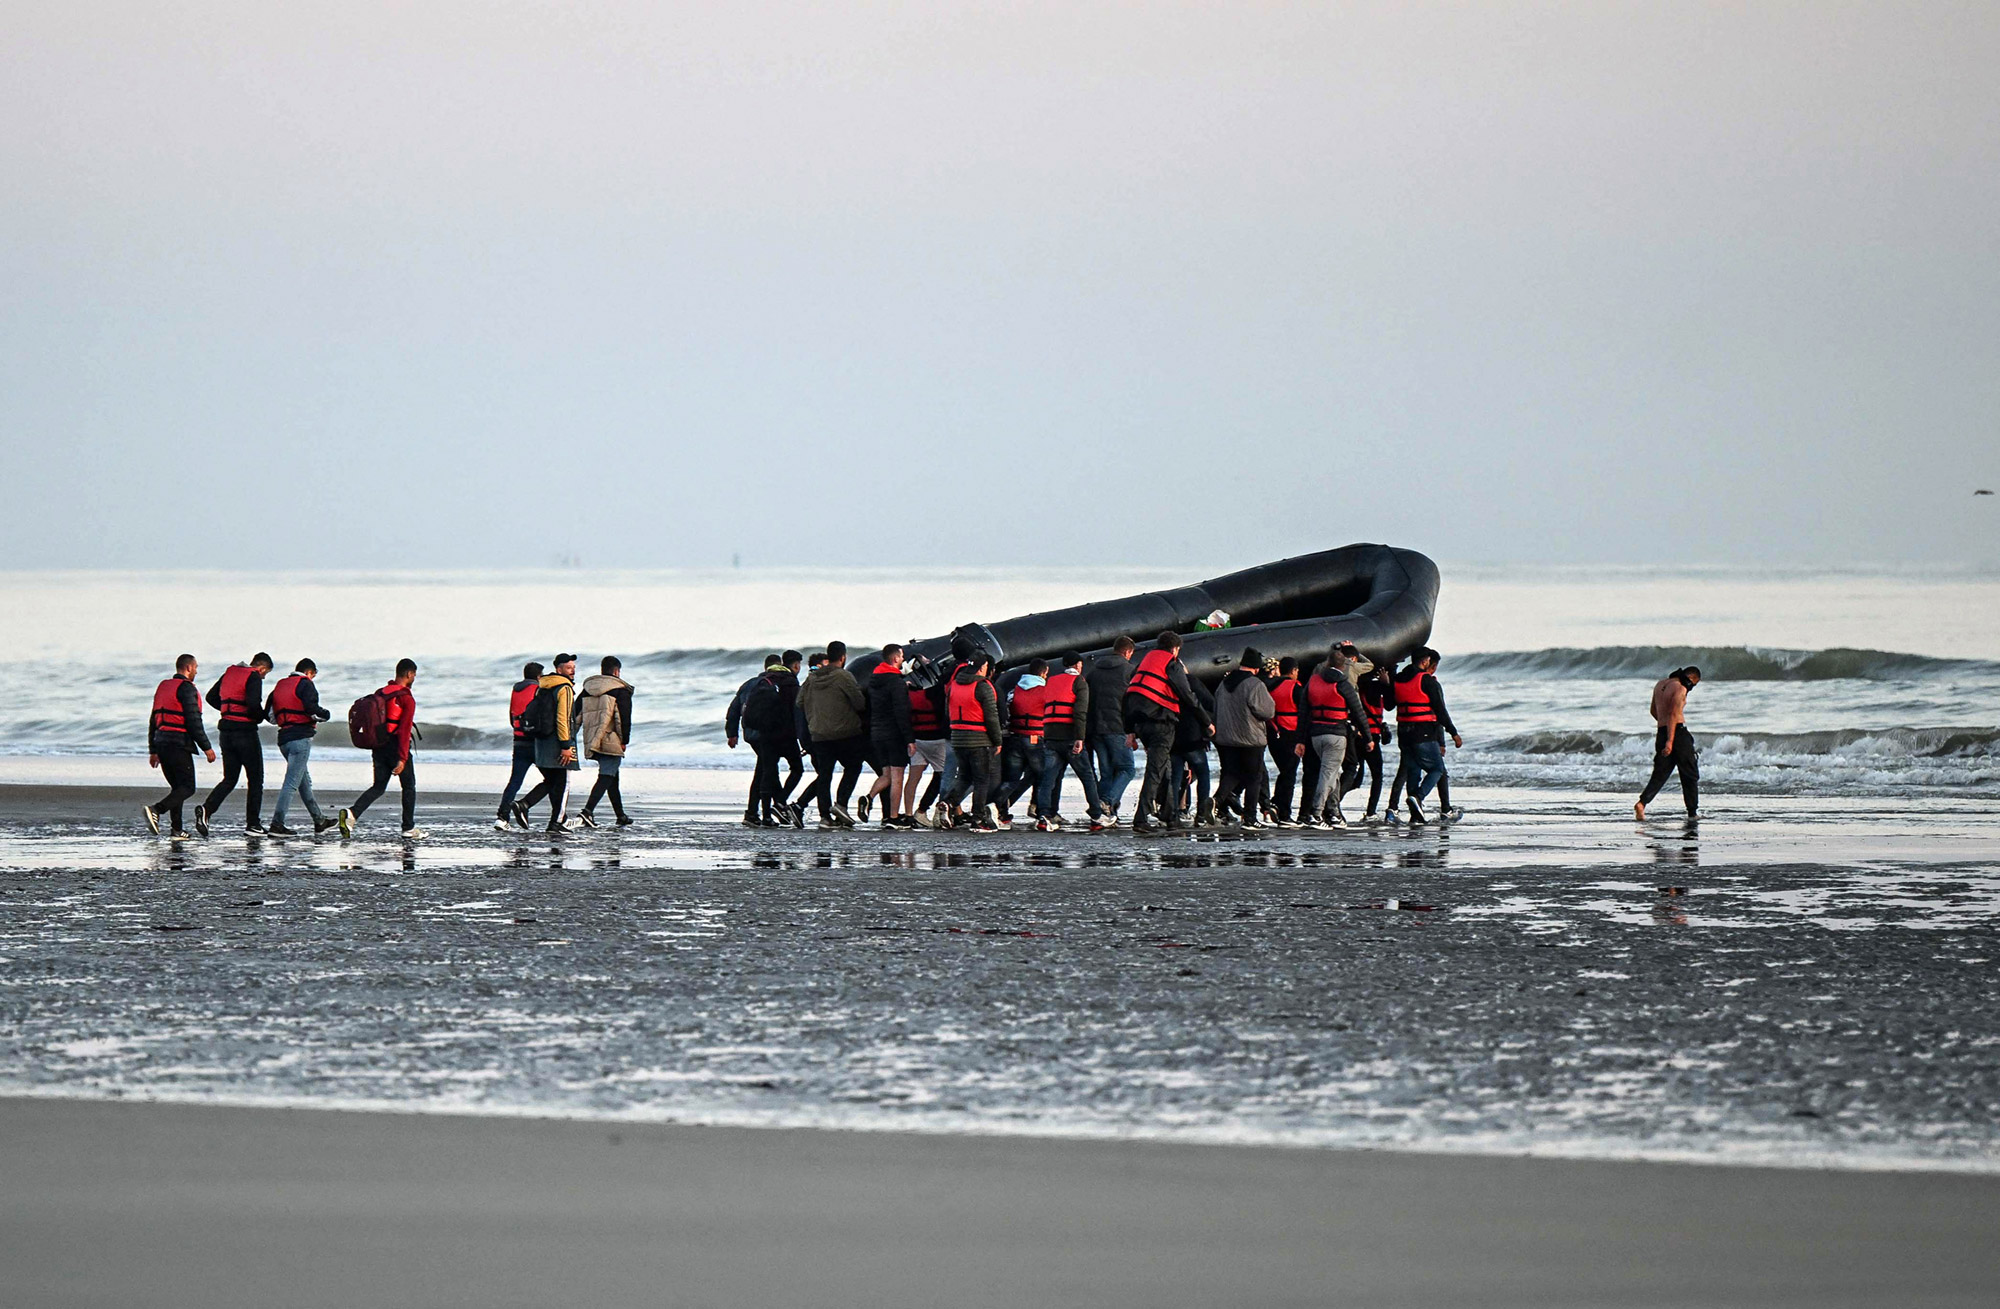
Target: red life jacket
<point>287,709</point>
<point>967,714</point>
<point>168,715</point>
<point>237,711</point>
<point>1412,705</point>
<point>1025,710</point>
<point>1325,705</point>
<point>1149,679</point>
<point>517,704</point>
<point>1373,708</point>
<point>1059,706</point>
<point>926,723</point>
<point>1286,693</point>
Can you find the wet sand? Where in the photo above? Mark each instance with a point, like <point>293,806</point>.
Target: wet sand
<point>164,1205</point>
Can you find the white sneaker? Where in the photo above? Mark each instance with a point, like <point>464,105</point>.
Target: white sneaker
<point>414,833</point>
<point>502,825</point>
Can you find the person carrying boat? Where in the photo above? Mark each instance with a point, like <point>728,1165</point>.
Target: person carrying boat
<point>1155,699</point>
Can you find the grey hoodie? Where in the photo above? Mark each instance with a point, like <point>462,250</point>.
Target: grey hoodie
<point>1243,710</point>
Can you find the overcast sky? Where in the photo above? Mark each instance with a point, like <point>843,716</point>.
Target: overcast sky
<point>482,284</point>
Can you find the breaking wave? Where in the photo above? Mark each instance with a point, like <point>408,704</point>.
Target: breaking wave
<point>1726,663</point>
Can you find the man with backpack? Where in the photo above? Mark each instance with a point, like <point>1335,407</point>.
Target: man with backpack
<point>238,699</point>
<point>551,720</point>
<point>383,723</point>
<point>524,746</point>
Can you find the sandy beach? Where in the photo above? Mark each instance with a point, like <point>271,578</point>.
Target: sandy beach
<point>127,1204</point>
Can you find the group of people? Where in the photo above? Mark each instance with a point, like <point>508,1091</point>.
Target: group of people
<point>556,726</point>
<point>987,742</point>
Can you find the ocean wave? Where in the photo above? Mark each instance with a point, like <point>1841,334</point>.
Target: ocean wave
<point>1886,743</point>
<point>1728,663</point>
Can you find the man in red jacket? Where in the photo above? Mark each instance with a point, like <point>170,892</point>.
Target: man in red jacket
<point>392,754</point>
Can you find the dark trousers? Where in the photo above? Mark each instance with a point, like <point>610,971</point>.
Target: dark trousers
<point>975,776</point>
<point>1351,772</point>
<point>1681,756</point>
<point>1242,775</point>
<point>242,754</point>
<point>177,766</point>
<point>554,787</point>
<point>1020,770</point>
<point>1157,736</point>
<point>385,760</point>
<point>607,787</point>
<point>1060,755</point>
<point>524,759</point>
<point>766,792</point>
<point>851,755</point>
<point>1288,773</point>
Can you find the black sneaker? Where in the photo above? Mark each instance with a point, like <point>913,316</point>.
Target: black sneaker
<point>983,828</point>
<point>798,817</point>
<point>520,812</point>
<point>277,829</point>
<point>201,820</point>
<point>321,824</point>
<point>626,820</point>
<point>861,809</point>
<point>587,819</point>
<point>255,829</point>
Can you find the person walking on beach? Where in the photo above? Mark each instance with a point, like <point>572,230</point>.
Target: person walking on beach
<point>834,706</point>
<point>524,745</point>
<point>1422,723</point>
<point>1288,742</point>
<point>173,733</point>
<point>890,734</point>
<point>1105,734</point>
<point>1156,697</point>
<point>1673,744</point>
<point>391,722</point>
<point>930,726</point>
<point>1190,770</point>
<point>1373,684</point>
<point>733,730</point>
<point>975,742</point>
<point>767,724</point>
<point>606,711</point>
<point>1332,709</point>
<point>1243,713</point>
<point>294,706</point>
<point>552,721</point>
<point>238,699</point>
<point>1065,719</point>
<point>1021,743</point>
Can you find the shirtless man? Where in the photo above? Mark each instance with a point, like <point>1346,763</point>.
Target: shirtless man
<point>1674,743</point>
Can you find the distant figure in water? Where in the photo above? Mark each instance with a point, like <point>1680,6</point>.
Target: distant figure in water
<point>1673,743</point>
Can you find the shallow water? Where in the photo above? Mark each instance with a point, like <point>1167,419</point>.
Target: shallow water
<point>1786,982</point>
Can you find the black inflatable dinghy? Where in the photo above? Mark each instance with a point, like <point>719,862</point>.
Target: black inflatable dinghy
<point>1377,596</point>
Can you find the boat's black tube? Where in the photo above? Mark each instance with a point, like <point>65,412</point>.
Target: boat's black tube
<point>1377,596</point>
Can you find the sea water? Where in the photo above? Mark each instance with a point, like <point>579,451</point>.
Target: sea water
<point>1858,682</point>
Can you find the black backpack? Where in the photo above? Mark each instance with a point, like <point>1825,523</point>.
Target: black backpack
<point>539,718</point>
<point>764,709</point>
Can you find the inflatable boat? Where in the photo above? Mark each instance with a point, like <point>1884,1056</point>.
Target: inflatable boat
<point>1380,597</point>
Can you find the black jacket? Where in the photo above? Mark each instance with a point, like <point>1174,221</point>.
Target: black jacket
<point>732,722</point>
<point>1106,676</point>
<point>1191,732</point>
<point>784,684</point>
<point>1357,719</point>
<point>888,693</point>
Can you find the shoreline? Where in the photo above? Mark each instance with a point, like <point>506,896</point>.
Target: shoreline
<point>223,1206</point>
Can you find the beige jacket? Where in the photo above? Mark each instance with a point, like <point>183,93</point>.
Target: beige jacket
<point>602,730</point>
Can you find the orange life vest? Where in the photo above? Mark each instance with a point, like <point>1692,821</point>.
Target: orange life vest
<point>1412,705</point>
<point>1325,705</point>
<point>1025,710</point>
<point>1286,694</point>
<point>1149,679</point>
<point>1059,706</point>
<point>967,714</point>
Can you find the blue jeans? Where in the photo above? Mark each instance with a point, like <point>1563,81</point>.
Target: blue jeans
<point>524,759</point>
<point>1426,769</point>
<point>1196,762</point>
<point>1056,758</point>
<point>1115,768</point>
<point>297,778</point>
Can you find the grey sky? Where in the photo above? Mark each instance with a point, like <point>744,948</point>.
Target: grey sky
<point>449,284</point>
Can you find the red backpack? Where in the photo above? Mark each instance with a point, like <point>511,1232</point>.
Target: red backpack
<point>368,721</point>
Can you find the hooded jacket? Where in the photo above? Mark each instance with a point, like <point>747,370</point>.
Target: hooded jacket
<point>833,704</point>
<point>989,701</point>
<point>549,749</point>
<point>606,711</point>
<point>1243,710</point>
<point>1197,712</point>
<point>1107,676</point>
<point>1357,717</point>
